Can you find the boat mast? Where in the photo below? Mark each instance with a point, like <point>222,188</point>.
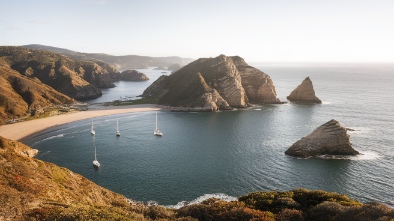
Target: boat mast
<point>156,120</point>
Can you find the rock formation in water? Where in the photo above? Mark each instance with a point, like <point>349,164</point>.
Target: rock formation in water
<point>20,95</point>
<point>211,84</point>
<point>133,75</point>
<point>79,79</point>
<point>304,93</point>
<point>328,139</point>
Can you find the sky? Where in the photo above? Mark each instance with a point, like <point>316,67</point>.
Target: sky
<point>257,30</point>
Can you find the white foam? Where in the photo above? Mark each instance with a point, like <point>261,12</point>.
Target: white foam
<point>326,102</point>
<point>53,137</point>
<point>220,196</point>
<point>366,155</point>
<point>257,109</point>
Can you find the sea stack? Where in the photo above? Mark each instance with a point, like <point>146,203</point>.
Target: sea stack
<point>304,93</point>
<point>133,75</point>
<point>328,139</point>
<point>211,84</point>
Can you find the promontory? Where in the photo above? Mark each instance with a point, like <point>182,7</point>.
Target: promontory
<point>304,93</point>
<point>211,84</point>
<point>133,75</point>
<point>328,139</point>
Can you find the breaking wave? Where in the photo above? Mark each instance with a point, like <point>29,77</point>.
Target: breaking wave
<point>220,196</point>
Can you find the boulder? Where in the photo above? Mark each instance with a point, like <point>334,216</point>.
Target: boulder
<point>304,93</point>
<point>328,139</point>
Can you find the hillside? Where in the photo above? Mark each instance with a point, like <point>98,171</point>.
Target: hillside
<point>78,79</point>
<point>31,189</point>
<point>211,84</point>
<point>120,62</point>
<point>20,95</point>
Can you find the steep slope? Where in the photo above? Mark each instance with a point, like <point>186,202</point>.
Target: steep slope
<point>31,188</point>
<point>227,75</point>
<point>19,95</point>
<point>78,79</point>
<point>120,62</point>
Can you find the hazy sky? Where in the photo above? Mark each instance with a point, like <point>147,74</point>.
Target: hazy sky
<point>260,30</point>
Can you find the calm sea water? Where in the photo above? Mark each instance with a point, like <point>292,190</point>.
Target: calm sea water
<point>232,153</point>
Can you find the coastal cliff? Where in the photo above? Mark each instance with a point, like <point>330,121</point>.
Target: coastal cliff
<point>304,93</point>
<point>211,84</point>
<point>21,95</point>
<point>78,79</point>
<point>328,139</point>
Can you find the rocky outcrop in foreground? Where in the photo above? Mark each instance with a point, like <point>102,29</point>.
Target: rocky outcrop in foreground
<point>133,75</point>
<point>304,93</point>
<point>328,139</point>
<point>211,84</point>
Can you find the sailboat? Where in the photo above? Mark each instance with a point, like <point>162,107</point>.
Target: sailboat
<point>157,132</point>
<point>92,130</point>
<point>117,129</point>
<point>95,161</point>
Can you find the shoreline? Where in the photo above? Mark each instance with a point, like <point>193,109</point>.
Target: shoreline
<point>22,130</point>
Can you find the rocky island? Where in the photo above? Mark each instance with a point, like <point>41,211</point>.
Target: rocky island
<point>304,93</point>
<point>133,75</point>
<point>211,84</point>
<point>328,139</point>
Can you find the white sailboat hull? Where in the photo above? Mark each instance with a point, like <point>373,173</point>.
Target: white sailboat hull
<point>96,163</point>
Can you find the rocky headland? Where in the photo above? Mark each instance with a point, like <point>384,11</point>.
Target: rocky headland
<point>78,79</point>
<point>133,75</point>
<point>211,84</point>
<point>21,95</point>
<point>120,62</point>
<point>328,139</point>
<point>304,93</point>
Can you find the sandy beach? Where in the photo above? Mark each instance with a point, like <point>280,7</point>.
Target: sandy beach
<point>20,130</point>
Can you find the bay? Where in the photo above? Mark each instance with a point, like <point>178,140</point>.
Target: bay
<point>232,153</point>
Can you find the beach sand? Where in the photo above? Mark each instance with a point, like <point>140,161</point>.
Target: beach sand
<point>20,130</point>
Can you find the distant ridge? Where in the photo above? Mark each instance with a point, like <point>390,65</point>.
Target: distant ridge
<point>120,62</point>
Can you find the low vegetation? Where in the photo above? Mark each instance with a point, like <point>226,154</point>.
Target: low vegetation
<point>31,189</point>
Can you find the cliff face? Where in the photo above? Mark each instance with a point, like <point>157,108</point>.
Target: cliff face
<point>19,94</point>
<point>133,75</point>
<point>258,86</point>
<point>220,77</point>
<point>78,79</point>
<point>328,139</point>
<point>304,93</point>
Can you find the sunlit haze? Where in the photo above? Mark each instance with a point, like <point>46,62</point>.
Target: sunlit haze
<point>258,31</point>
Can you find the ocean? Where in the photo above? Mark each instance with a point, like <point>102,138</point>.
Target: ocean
<point>231,153</point>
